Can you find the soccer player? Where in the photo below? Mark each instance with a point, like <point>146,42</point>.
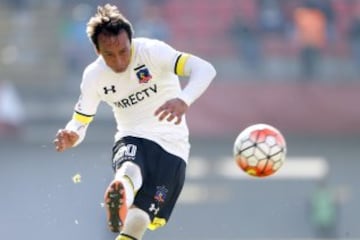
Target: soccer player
<point>138,78</point>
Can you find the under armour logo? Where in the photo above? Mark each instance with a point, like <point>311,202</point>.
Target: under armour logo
<point>154,209</point>
<point>106,90</point>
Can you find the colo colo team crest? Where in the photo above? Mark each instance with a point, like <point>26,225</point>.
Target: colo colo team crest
<point>143,74</point>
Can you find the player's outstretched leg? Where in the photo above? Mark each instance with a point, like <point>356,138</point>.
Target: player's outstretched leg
<point>116,207</point>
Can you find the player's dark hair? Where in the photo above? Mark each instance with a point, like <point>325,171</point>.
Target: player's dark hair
<point>108,21</point>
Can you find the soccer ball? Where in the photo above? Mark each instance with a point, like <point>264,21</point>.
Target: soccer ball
<point>260,150</point>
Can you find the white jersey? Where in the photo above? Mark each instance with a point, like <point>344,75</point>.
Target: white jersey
<point>135,94</point>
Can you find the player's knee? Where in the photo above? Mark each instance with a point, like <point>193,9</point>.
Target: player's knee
<point>133,172</point>
<point>136,223</point>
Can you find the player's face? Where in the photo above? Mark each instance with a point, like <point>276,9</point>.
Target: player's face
<point>116,51</point>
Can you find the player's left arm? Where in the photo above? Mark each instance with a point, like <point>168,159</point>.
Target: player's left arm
<point>200,73</point>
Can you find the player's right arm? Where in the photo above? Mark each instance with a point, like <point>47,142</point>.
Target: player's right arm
<point>84,112</point>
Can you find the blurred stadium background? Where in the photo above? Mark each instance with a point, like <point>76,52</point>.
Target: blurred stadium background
<point>293,64</point>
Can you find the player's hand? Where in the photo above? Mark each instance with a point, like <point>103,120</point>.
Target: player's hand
<point>65,139</point>
<point>172,109</point>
